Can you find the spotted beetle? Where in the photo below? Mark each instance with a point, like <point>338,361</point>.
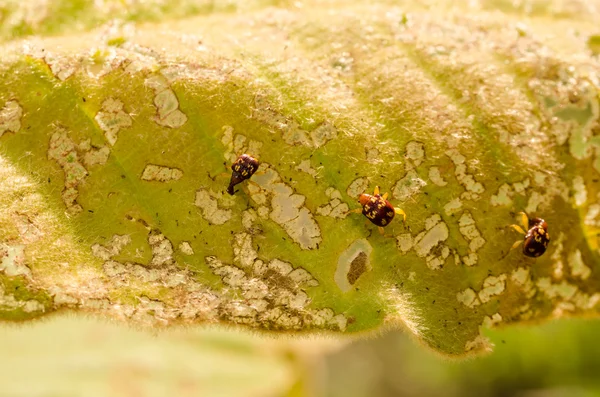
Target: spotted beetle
<point>536,238</point>
<point>378,209</point>
<point>242,168</point>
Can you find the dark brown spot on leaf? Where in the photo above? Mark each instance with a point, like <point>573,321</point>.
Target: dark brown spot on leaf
<point>357,267</point>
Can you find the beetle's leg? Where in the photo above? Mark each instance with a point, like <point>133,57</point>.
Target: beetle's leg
<point>524,220</point>
<point>400,212</point>
<point>518,229</point>
<point>516,244</point>
<point>256,185</point>
<point>385,196</point>
<point>376,190</point>
<point>381,230</point>
<point>245,187</point>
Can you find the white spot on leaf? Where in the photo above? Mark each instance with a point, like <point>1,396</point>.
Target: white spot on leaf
<point>186,248</point>
<point>160,173</point>
<point>208,203</point>
<point>408,186</point>
<point>10,117</point>
<point>112,118</point>
<point>492,286</point>
<point>357,187</point>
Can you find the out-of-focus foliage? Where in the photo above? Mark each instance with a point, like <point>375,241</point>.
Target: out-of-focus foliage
<point>71,356</point>
<point>77,356</point>
<point>556,359</point>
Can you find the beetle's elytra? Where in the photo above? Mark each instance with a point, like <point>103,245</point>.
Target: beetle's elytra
<point>378,209</point>
<point>536,238</point>
<point>242,168</point>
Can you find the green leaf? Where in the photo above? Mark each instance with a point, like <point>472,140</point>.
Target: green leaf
<point>106,359</point>
<point>114,142</point>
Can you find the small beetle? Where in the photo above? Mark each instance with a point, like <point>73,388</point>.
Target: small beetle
<point>377,209</point>
<point>536,239</point>
<point>243,168</point>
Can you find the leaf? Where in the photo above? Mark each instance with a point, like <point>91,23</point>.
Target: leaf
<point>114,142</point>
<point>106,359</point>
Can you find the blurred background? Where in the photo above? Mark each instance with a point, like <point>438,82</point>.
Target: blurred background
<point>83,356</point>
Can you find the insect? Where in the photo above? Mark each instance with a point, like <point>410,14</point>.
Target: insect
<point>536,238</point>
<point>243,168</point>
<point>377,209</point>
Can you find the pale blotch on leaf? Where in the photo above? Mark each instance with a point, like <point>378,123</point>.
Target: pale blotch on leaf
<point>592,217</point>
<point>580,196</point>
<point>162,249</point>
<point>244,253</point>
<point>208,202</point>
<point>436,177</point>
<point>112,118</point>
<point>9,302</point>
<point>492,321</point>
<point>287,207</point>
<point>492,286</point>
<point>335,208</point>
<point>291,131</point>
<point>478,344</point>
<point>557,256</point>
<point>453,206</point>
<point>28,231</point>
<point>158,173</point>
<point>64,152</point>
<point>358,187</point>
<point>12,260</point>
<point>372,156</point>
<point>563,290</point>
<point>566,297</point>
<point>503,197</point>
<point>353,263</point>
<point>428,244</point>
<point>469,230</point>
<point>522,277</point>
<point>323,134</point>
<point>506,192</point>
<point>94,156</point>
<point>472,187</point>
<point>535,199</point>
<point>61,67</point>
<point>238,144</point>
<point>185,248</point>
<point>305,167</point>
<point>409,186</point>
<point>578,267</point>
<point>10,117</point>
<point>415,153</point>
<point>67,154</point>
<point>404,242</point>
<point>468,297</point>
<point>166,102</point>
<point>112,248</point>
<point>273,295</point>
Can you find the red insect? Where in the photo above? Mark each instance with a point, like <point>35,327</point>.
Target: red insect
<point>378,209</point>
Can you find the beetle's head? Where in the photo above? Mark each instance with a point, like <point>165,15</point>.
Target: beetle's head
<point>364,199</point>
